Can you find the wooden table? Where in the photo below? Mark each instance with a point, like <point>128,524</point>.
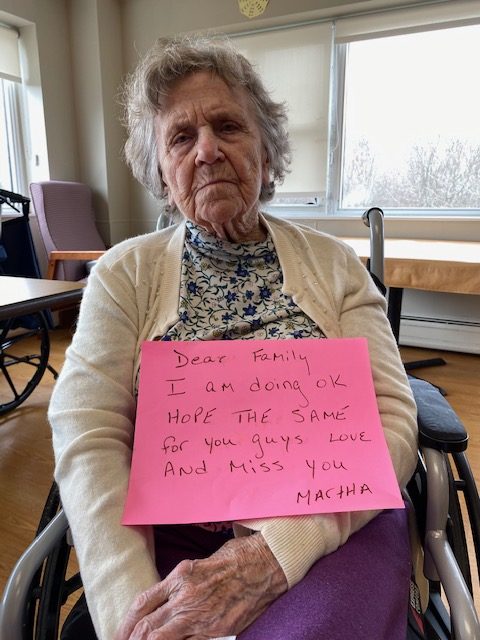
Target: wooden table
<point>429,265</point>
<point>21,296</point>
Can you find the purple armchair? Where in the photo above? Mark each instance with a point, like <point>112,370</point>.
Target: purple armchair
<point>67,225</point>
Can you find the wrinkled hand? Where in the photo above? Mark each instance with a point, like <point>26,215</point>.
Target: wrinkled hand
<point>218,596</point>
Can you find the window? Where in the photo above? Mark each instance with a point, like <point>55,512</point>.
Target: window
<point>411,132</point>
<point>383,110</point>
<point>12,147</point>
<point>5,172</point>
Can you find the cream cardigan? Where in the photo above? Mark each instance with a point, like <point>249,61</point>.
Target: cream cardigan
<point>132,295</point>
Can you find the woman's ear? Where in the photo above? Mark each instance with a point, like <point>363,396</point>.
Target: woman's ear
<point>165,189</point>
<point>169,197</point>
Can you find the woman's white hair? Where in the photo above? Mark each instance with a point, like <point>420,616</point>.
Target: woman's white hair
<point>170,60</point>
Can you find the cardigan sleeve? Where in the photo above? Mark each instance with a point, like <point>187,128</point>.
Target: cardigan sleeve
<point>92,415</point>
<point>297,542</point>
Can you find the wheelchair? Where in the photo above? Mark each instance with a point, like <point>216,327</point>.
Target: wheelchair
<point>41,584</point>
<point>24,341</point>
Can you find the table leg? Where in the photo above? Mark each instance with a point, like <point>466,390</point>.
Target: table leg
<point>394,312</point>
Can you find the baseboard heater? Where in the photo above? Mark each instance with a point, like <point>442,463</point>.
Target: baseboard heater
<point>440,333</point>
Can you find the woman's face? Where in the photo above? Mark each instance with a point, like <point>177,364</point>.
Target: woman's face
<point>211,155</point>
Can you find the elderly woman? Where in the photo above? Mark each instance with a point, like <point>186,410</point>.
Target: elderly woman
<point>204,134</point>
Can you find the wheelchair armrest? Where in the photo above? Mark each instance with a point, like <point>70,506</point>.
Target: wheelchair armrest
<point>438,425</point>
<point>17,587</point>
<point>58,256</point>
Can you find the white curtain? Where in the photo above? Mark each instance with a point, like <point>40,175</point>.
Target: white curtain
<point>13,176</point>
<point>9,59</point>
<point>295,67</point>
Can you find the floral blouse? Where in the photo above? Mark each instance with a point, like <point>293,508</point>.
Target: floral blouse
<point>232,291</point>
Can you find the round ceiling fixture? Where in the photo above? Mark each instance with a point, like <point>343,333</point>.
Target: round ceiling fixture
<point>252,8</point>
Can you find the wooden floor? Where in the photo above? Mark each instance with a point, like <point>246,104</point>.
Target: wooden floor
<point>26,461</point>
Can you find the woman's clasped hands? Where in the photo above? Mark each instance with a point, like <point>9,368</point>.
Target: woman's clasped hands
<point>217,596</point>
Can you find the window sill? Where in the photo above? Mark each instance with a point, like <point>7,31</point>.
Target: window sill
<point>421,227</point>
<point>318,213</point>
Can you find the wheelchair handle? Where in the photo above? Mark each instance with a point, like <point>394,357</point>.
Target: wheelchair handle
<point>9,197</point>
<point>373,218</point>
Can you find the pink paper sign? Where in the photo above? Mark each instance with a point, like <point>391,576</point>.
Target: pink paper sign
<point>229,430</point>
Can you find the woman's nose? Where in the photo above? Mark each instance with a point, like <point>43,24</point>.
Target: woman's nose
<point>208,151</point>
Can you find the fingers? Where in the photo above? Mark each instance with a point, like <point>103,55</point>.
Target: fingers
<point>143,605</point>
<point>154,624</point>
<point>171,631</point>
<point>154,628</point>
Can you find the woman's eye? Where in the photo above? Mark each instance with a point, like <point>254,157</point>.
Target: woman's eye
<point>181,138</point>
<point>229,127</point>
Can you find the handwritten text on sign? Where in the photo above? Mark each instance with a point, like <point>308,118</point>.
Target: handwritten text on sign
<point>229,430</point>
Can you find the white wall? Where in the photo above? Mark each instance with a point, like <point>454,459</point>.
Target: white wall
<point>118,176</point>
<point>72,51</point>
<point>97,63</point>
<point>46,64</point>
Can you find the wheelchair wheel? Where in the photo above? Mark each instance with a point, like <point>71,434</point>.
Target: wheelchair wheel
<point>24,351</point>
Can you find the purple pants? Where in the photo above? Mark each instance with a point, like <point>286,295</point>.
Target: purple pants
<point>359,592</point>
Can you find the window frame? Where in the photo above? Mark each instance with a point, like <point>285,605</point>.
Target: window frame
<point>334,185</point>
